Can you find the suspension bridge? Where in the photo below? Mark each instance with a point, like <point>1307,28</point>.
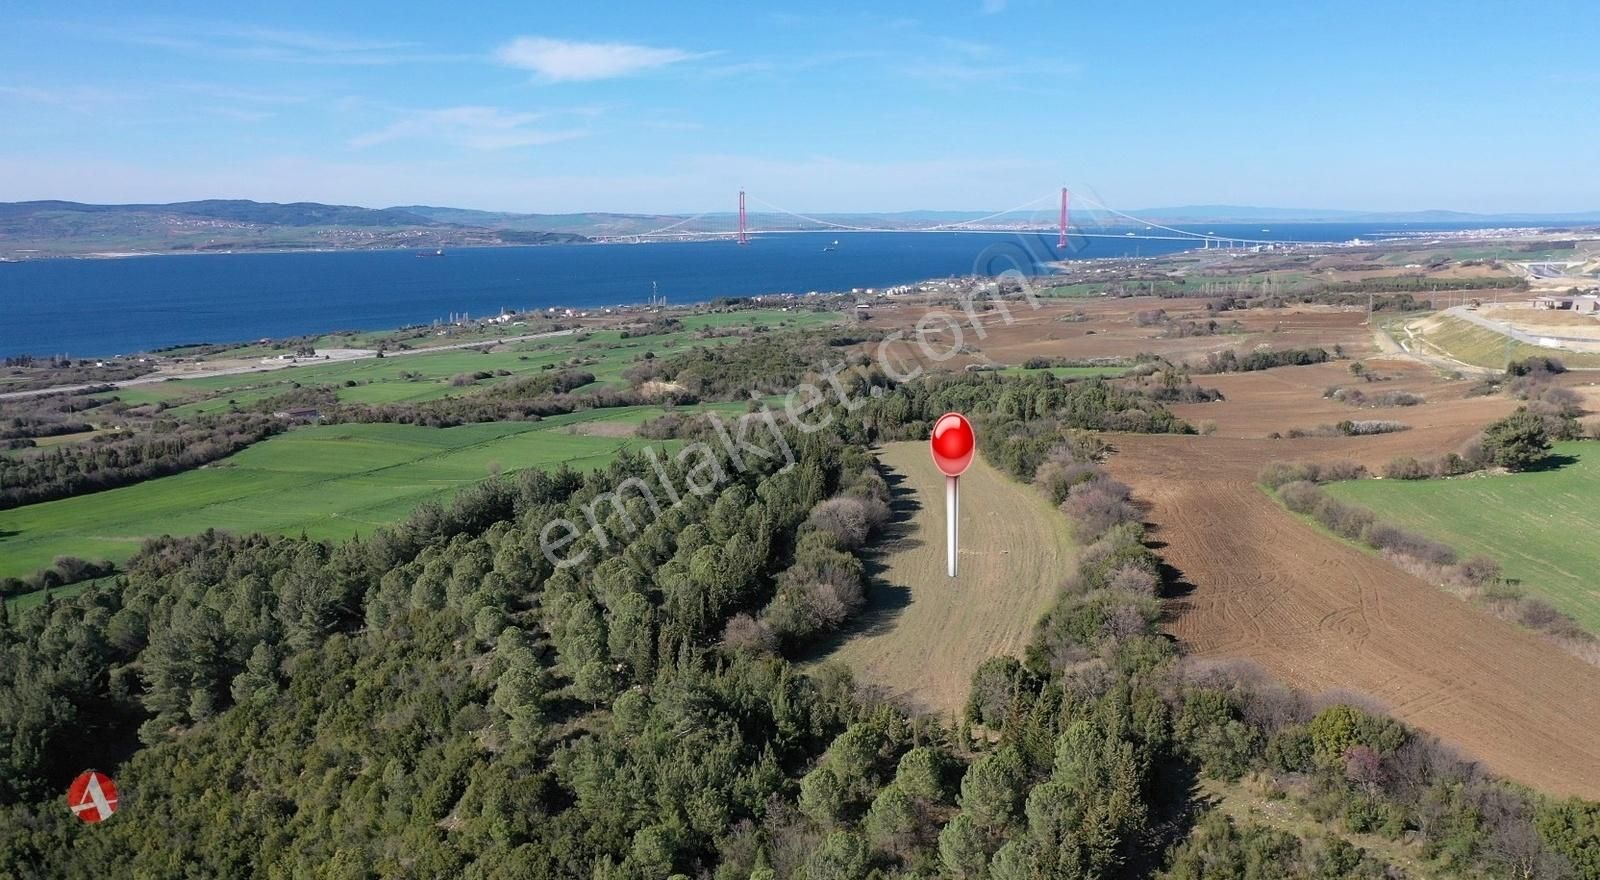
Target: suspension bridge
<point>1030,218</point>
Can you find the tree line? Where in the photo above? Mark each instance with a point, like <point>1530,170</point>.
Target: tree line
<point>105,461</point>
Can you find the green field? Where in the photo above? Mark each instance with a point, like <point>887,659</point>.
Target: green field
<point>419,377</point>
<point>1540,526</point>
<point>329,481</point>
<point>1075,290</point>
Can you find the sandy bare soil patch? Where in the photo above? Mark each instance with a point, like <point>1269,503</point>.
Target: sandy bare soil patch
<point>1257,404</point>
<point>925,633</point>
<point>1108,329</point>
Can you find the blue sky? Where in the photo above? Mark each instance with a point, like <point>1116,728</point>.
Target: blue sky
<point>978,104</point>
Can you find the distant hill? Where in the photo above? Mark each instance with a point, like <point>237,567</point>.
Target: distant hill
<point>238,210</point>
<point>589,223</point>
<point>610,224</point>
<point>59,228</point>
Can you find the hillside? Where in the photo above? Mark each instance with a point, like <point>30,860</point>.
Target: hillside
<point>60,228</point>
<point>57,228</point>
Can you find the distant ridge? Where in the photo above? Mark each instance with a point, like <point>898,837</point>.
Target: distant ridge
<point>240,210</point>
<point>62,228</point>
<point>606,223</point>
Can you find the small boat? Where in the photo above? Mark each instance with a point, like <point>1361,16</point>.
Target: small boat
<point>831,247</point>
<point>437,253</point>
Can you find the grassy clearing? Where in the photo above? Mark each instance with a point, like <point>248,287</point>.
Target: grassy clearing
<point>1245,803</point>
<point>328,481</point>
<point>924,633</point>
<point>1473,344</point>
<point>28,600</point>
<point>63,439</point>
<point>1540,526</point>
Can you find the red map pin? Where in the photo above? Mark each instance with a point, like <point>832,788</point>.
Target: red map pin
<point>92,796</point>
<point>952,444</point>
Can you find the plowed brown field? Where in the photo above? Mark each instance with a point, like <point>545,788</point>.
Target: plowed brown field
<point>1323,615</point>
<point>1263,585</point>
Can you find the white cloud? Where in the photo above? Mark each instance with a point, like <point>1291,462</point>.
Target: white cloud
<point>572,61</point>
<point>478,128</point>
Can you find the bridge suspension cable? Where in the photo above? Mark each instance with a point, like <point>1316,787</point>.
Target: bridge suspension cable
<point>1027,204</point>
<point>811,219</point>
<point>1110,210</point>
<point>1062,225</point>
<point>671,226</point>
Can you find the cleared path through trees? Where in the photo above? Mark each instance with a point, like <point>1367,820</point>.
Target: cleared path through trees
<point>923,633</point>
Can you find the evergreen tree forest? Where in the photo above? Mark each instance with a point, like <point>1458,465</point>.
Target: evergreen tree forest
<point>440,699</point>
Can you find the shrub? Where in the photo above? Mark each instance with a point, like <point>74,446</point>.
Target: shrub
<point>996,685</point>
<point>1407,468</point>
<point>1558,424</point>
<point>1232,361</point>
<point>1133,578</point>
<point>1533,366</point>
<point>1365,428</point>
<point>1398,398</point>
<point>1538,614</point>
<point>1357,397</point>
<point>1095,507</point>
<point>1345,520</point>
<point>1278,473</point>
<point>1057,477</point>
<point>1480,570</point>
<point>1385,536</point>
<point>848,519</point>
<point>1517,441</point>
<point>1301,496</point>
<point>745,633</point>
<point>1476,454</point>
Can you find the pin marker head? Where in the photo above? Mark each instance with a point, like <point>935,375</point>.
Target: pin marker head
<point>952,444</point>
